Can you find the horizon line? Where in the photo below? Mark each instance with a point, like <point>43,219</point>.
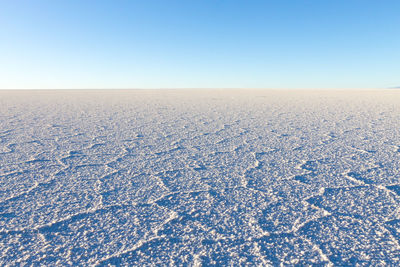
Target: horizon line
<point>205,88</point>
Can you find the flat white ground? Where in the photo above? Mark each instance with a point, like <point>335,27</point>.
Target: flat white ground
<point>199,177</point>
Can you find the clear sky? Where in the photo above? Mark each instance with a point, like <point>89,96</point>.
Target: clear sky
<point>199,44</point>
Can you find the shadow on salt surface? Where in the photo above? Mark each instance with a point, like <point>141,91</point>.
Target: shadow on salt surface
<point>351,241</point>
<point>225,252</point>
<point>217,228</point>
<point>89,236</point>
<point>285,179</point>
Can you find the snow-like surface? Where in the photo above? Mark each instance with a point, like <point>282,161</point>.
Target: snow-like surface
<point>199,177</point>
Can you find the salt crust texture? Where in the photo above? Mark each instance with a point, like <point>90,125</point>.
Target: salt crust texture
<point>212,177</point>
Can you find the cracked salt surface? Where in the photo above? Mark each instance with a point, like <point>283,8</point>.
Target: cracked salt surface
<point>199,177</point>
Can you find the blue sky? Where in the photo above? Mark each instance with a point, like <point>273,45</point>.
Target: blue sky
<point>199,44</point>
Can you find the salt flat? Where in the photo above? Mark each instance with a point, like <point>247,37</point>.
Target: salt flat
<point>211,177</point>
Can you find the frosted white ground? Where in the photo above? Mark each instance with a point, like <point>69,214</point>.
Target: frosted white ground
<point>199,177</point>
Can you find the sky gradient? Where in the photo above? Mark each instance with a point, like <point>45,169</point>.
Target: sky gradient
<point>199,44</point>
